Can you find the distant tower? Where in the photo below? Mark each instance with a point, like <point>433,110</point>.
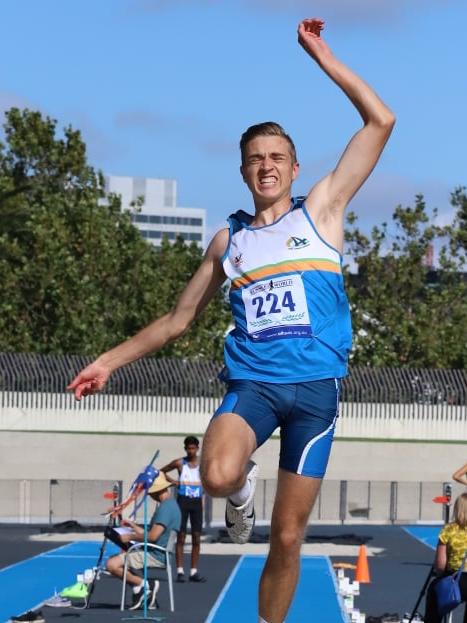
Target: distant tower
<point>428,258</point>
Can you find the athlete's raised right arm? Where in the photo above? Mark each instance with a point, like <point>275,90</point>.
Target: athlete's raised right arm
<point>194,298</point>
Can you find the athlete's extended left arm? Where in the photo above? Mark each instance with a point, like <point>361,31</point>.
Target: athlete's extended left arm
<point>365,147</point>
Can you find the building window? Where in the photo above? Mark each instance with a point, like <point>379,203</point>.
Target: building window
<point>139,218</point>
<point>166,220</point>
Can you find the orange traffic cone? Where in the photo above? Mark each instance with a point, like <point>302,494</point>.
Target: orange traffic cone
<point>362,572</point>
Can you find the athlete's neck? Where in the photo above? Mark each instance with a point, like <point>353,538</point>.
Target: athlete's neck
<point>267,213</point>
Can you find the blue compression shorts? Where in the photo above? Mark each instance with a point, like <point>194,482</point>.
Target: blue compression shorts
<point>306,414</point>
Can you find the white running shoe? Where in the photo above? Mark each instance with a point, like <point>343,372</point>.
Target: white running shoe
<point>153,605</point>
<point>240,520</point>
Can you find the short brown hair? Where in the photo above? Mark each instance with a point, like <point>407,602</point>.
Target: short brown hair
<point>268,128</point>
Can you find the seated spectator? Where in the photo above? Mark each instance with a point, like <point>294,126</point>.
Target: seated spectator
<point>452,545</point>
<point>166,518</point>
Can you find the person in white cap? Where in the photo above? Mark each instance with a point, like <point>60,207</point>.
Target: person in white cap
<point>167,517</point>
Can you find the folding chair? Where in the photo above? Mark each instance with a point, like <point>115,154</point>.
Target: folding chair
<point>167,551</point>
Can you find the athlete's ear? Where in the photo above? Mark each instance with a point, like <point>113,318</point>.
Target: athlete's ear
<point>295,170</point>
<point>242,173</point>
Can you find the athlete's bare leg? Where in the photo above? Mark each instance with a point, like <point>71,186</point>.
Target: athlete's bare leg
<point>195,548</point>
<point>294,501</point>
<point>227,446</point>
<point>179,549</point>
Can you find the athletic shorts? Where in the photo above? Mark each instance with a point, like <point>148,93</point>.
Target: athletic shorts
<point>192,508</point>
<point>136,560</point>
<point>306,414</point>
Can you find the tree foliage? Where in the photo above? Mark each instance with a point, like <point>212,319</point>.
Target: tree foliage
<point>76,275</point>
<point>406,312</point>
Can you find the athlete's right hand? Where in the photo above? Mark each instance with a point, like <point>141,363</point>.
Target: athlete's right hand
<point>90,380</point>
<point>309,37</point>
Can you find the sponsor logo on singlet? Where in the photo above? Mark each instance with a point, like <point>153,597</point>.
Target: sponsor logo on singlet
<point>238,259</point>
<point>294,242</point>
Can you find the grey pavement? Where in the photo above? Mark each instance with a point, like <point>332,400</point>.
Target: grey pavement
<point>398,564</point>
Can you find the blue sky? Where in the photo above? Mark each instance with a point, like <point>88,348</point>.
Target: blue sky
<point>164,88</point>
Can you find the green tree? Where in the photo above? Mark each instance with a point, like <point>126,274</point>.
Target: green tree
<point>404,312</point>
<point>76,275</point>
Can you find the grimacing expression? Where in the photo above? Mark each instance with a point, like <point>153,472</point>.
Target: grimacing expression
<point>268,168</point>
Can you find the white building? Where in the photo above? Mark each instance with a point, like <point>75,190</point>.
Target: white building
<point>159,215</point>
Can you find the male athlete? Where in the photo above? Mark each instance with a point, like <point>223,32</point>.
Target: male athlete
<point>288,351</point>
<point>190,500</point>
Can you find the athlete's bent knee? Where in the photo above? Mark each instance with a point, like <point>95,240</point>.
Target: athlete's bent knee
<point>221,479</point>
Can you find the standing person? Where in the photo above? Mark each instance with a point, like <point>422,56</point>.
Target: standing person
<point>449,556</point>
<point>190,500</point>
<point>288,350</point>
<point>166,518</point>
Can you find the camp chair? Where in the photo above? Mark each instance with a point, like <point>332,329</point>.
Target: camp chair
<point>167,551</point>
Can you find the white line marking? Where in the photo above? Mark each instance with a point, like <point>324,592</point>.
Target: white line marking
<point>223,592</point>
<point>339,597</point>
<point>65,556</point>
<point>418,538</point>
<point>22,562</point>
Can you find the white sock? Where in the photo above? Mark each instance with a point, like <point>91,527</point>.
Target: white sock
<point>180,570</point>
<point>136,589</point>
<point>193,571</point>
<point>240,497</point>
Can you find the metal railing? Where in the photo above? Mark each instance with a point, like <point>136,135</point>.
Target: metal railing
<point>339,501</point>
<point>354,502</point>
<point>55,501</point>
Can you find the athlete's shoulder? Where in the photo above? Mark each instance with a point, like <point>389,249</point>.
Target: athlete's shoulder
<point>238,220</point>
<point>218,244</point>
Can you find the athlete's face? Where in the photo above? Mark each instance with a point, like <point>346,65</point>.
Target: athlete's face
<point>191,450</point>
<point>268,168</point>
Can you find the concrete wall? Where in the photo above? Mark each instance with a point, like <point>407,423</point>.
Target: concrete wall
<point>174,415</point>
<point>29,455</point>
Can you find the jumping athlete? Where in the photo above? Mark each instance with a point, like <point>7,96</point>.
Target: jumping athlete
<point>288,350</point>
<point>190,500</point>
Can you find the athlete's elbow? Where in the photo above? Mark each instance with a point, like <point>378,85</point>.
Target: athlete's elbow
<point>177,326</point>
<point>385,121</point>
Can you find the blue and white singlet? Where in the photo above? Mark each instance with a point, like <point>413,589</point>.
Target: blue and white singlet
<point>291,313</point>
<point>190,481</point>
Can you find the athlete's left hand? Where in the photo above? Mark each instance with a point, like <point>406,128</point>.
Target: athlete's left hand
<point>309,37</point>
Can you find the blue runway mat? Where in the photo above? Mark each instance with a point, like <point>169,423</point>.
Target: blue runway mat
<point>428,535</point>
<point>26,584</point>
<point>315,598</point>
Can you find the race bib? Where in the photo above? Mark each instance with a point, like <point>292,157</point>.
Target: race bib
<point>192,492</point>
<point>277,308</point>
